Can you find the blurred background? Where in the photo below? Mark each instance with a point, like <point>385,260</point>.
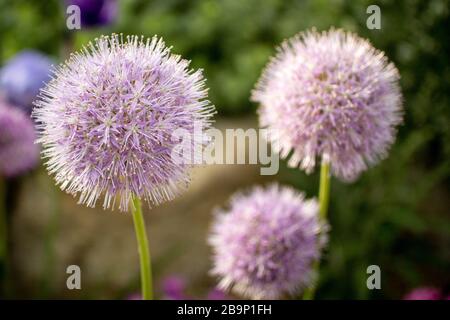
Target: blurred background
<point>395,216</point>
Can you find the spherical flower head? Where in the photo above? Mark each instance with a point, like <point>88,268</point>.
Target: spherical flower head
<point>23,76</point>
<point>106,121</point>
<point>424,293</point>
<point>266,242</point>
<point>330,95</point>
<point>18,152</point>
<point>96,12</point>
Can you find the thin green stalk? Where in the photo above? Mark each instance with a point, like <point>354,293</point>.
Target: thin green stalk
<point>144,253</point>
<point>324,190</point>
<point>324,198</point>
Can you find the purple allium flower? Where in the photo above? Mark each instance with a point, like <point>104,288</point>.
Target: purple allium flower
<point>265,243</point>
<point>107,118</point>
<point>23,76</point>
<point>96,12</point>
<point>424,293</point>
<point>18,152</point>
<point>330,95</point>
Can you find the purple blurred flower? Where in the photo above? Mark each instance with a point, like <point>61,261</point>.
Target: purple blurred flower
<point>330,95</point>
<point>18,153</point>
<point>424,293</point>
<point>173,288</point>
<point>108,116</point>
<point>23,76</point>
<point>134,296</point>
<point>217,294</point>
<point>96,12</point>
<point>265,243</point>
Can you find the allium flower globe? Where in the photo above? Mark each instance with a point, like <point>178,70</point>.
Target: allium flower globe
<point>18,152</point>
<point>330,95</point>
<point>264,245</point>
<point>107,117</point>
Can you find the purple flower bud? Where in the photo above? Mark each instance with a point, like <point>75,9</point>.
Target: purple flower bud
<point>23,76</point>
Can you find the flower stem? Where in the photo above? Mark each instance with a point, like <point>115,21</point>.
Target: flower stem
<point>144,253</point>
<point>324,190</point>
<point>324,198</point>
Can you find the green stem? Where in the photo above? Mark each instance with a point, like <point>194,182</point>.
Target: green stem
<point>144,253</point>
<point>324,190</point>
<point>324,198</point>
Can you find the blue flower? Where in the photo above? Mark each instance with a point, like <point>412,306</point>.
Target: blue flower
<point>23,76</point>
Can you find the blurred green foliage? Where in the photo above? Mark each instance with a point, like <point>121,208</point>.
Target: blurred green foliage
<point>396,215</point>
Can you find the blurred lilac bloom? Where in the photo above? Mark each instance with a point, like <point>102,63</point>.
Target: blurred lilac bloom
<point>23,76</point>
<point>173,288</point>
<point>134,296</point>
<point>216,294</point>
<point>266,241</point>
<point>18,153</point>
<point>424,293</point>
<point>330,95</point>
<point>96,12</point>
